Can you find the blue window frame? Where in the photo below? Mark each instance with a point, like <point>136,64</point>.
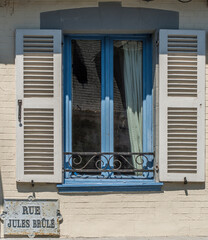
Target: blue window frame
<point>74,182</point>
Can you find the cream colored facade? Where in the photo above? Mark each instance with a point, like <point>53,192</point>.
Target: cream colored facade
<point>179,210</point>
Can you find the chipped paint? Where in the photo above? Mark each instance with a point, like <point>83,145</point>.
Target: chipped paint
<point>31,217</point>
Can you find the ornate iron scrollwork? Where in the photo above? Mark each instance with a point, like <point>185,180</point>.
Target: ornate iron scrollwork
<point>116,163</point>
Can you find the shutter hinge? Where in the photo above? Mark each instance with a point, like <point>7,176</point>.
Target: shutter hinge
<point>157,43</point>
<point>62,44</point>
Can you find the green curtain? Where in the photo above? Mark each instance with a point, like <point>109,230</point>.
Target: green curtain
<point>133,94</point>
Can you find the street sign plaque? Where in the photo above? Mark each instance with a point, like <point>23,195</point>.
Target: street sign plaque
<point>31,217</point>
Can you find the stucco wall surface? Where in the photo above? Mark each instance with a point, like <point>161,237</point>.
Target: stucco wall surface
<point>180,210</point>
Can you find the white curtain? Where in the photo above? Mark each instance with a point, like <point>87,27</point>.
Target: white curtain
<point>133,94</point>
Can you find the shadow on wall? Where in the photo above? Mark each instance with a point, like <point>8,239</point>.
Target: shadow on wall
<point>109,17</point>
<point>106,18</point>
<point>44,187</point>
<point>184,187</point>
<point>37,187</point>
<point>1,191</point>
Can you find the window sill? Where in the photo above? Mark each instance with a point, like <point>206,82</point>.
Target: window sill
<point>108,185</point>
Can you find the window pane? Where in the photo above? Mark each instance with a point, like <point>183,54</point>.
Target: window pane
<point>86,97</point>
<point>128,100</point>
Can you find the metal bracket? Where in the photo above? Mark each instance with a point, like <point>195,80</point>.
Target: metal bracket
<point>3,215</point>
<point>31,235</point>
<point>59,216</point>
<point>31,198</point>
<point>157,168</point>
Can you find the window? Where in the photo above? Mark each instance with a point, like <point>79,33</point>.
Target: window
<point>100,75</point>
<point>108,107</point>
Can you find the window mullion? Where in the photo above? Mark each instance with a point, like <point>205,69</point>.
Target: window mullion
<point>147,106</point>
<point>67,104</point>
<point>107,104</point>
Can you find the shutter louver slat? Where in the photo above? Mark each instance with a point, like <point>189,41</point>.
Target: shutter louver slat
<point>181,132</point>
<point>41,166</point>
<point>38,62</point>
<point>182,70</point>
<point>41,69</point>
<point>181,105</point>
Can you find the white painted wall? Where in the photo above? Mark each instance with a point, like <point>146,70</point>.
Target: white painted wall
<point>175,212</point>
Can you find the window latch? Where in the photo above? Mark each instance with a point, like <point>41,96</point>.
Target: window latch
<point>19,111</point>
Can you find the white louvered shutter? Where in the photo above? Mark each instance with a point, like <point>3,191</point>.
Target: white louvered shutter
<point>182,105</point>
<point>38,78</point>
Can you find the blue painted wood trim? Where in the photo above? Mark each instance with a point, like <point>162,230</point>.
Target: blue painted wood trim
<point>107,96</point>
<point>67,101</point>
<point>147,102</point>
<point>113,36</point>
<point>107,128</point>
<point>104,185</point>
<point>111,106</point>
<point>107,109</point>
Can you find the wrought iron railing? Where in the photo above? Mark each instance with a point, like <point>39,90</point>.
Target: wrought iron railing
<point>109,163</point>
